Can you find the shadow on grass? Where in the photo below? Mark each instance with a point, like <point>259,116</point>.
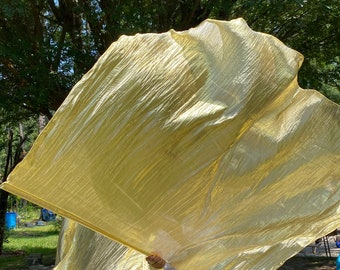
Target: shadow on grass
<point>309,263</point>
<point>30,234</point>
<point>16,260</point>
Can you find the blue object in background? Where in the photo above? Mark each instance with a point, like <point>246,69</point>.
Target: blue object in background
<point>338,263</point>
<point>47,215</point>
<point>11,220</point>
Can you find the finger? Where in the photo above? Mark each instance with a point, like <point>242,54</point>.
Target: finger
<point>155,261</point>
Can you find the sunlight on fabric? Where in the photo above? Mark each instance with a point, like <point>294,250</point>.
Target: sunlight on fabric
<point>196,145</point>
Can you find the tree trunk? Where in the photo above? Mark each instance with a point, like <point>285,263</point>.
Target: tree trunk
<point>11,162</point>
<point>43,120</point>
<point>4,194</point>
<point>3,210</point>
<point>22,138</point>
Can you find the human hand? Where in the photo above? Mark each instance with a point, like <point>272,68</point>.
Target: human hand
<point>155,261</point>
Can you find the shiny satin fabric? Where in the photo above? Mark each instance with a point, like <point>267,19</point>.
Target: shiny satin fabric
<point>82,248</point>
<point>196,145</point>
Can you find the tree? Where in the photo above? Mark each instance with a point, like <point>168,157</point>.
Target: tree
<point>9,158</point>
<point>12,159</point>
<point>35,77</point>
<point>311,27</point>
<point>47,45</point>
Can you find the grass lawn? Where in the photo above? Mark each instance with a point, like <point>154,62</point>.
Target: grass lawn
<point>24,241</point>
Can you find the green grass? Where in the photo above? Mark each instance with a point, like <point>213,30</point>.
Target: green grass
<point>24,241</point>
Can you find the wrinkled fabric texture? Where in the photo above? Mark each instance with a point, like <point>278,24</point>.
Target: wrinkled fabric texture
<point>199,146</point>
<point>82,248</point>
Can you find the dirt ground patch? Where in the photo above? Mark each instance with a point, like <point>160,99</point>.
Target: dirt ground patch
<point>309,263</point>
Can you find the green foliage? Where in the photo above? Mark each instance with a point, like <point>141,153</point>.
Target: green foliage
<point>30,129</point>
<point>308,26</point>
<point>26,211</point>
<point>46,46</point>
<point>6,234</point>
<point>58,223</point>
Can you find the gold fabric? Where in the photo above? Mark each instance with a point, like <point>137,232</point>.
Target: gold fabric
<point>82,248</point>
<point>197,145</point>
